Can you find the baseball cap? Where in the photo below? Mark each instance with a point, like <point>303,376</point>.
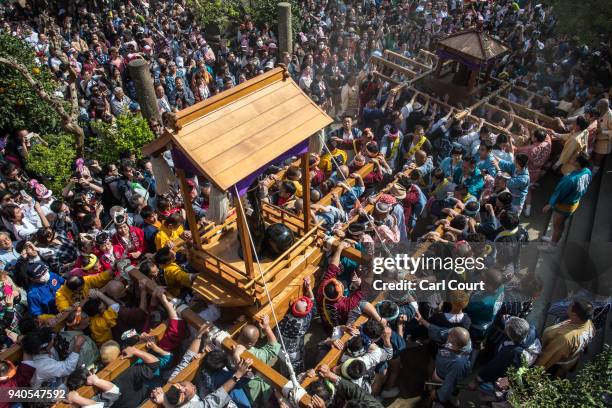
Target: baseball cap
<point>36,270</point>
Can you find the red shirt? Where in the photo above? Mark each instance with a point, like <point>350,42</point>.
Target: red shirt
<point>138,242</point>
<point>21,379</point>
<point>173,336</point>
<point>105,260</point>
<point>340,307</point>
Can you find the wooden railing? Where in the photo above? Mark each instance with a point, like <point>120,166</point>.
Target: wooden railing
<point>220,268</point>
<point>273,214</point>
<point>363,171</point>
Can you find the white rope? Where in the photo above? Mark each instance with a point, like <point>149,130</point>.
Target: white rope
<point>293,379</point>
<point>370,219</point>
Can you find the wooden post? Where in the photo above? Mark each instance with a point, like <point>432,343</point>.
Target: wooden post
<point>245,242</point>
<point>285,34</point>
<point>191,218</point>
<point>306,190</point>
<point>145,91</point>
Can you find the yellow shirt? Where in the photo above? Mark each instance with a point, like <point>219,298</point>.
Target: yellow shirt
<point>298,187</point>
<point>101,325</point>
<point>165,234</point>
<point>327,164</point>
<point>176,279</point>
<point>562,341</point>
<point>573,144</point>
<point>65,297</point>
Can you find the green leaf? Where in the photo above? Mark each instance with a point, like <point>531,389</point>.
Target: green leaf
<point>21,107</point>
<point>127,133</point>
<point>52,163</point>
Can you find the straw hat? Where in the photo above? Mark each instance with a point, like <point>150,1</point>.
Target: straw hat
<point>398,191</point>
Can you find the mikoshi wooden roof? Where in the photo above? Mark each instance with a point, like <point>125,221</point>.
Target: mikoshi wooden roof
<point>474,43</point>
<point>233,134</point>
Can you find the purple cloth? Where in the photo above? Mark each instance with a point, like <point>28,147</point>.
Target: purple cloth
<point>181,161</point>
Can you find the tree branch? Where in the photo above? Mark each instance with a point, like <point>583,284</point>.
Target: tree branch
<point>55,103</point>
<point>56,41</point>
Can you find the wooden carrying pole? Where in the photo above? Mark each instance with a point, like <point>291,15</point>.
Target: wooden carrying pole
<point>193,319</point>
<point>333,356</point>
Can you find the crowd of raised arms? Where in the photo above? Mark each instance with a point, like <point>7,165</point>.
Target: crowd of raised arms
<point>66,303</point>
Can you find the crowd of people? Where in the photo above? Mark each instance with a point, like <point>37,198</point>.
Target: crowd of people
<point>70,305</point>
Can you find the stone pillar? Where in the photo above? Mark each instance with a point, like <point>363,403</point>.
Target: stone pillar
<point>285,34</point>
<point>145,92</point>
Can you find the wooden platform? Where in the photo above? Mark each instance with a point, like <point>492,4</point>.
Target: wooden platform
<point>227,248</point>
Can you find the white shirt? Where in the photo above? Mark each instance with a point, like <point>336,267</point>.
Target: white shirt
<point>163,105</point>
<point>49,368</point>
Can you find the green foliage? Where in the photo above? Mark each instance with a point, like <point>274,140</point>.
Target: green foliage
<point>266,11</point>
<point>228,13</point>
<point>21,107</point>
<point>221,13</point>
<point>589,20</point>
<point>128,132</point>
<point>534,388</point>
<point>52,163</point>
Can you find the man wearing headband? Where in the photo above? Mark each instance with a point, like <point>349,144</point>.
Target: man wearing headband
<point>76,323</point>
<point>470,175</point>
<point>499,186</point>
<point>108,393</point>
<point>376,350</point>
<point>295,325</point>
<point>519,180</point>
<point>350,195</point>
<point>391,146</point>
<point>76,288</point>
<point>333,306</point>
<point>471,137</point>
<point>185,393</point>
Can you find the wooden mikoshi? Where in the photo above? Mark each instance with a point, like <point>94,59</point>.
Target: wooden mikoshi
<point>229,139</point>
<point>473,51</point>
